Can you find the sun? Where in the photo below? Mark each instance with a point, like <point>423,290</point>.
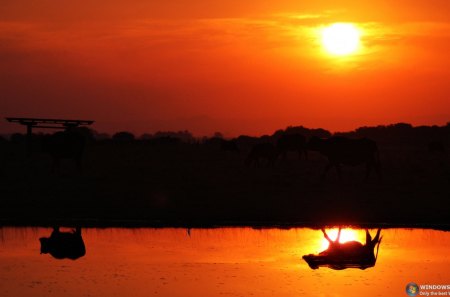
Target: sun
<point>341,39</point>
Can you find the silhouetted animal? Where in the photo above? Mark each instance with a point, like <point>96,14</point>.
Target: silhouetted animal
<point>341,150</point>
<point>262,151</point>
<point>292,142</point>
<point>351,254</point>
<point>436,147</point>
<point>63,245</point>
<point>65,145</point>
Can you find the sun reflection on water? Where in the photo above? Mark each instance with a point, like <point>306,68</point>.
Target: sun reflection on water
<point>347,234</point>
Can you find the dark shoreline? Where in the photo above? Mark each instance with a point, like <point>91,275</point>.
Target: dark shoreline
<point>86,223</point>
<point>141,184</point>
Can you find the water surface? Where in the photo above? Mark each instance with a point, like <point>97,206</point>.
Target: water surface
<point>215,262</point>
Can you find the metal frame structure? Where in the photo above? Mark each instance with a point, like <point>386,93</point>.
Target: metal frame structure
<point>31,123</point>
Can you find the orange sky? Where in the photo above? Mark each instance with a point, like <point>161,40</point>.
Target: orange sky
<point>239,67</point>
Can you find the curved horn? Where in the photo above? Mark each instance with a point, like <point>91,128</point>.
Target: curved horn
<point>326,235</point>
<point>368,237</point>
<point>376,238</point>
<point>378,246</point>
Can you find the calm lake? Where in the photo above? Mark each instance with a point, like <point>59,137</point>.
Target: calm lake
<point>216,262</point>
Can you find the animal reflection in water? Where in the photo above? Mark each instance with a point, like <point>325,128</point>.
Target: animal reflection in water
<point>351,254</point>
<point>63,245</point>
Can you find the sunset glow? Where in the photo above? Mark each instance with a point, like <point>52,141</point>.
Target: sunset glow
<point>146,66</point>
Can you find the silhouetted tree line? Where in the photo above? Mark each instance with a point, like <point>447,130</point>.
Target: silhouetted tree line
<point>394,134</point>
<point>403,134</point>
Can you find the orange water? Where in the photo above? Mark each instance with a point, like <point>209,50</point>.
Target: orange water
<point>215,262</point>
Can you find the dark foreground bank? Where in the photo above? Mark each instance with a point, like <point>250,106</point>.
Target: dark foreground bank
<point>191,185</point>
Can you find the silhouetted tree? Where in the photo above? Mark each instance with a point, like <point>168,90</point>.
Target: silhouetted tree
<point>218,135</point>
<point>308,133</point>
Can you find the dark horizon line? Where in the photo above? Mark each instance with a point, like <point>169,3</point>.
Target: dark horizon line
<point>243,134</point>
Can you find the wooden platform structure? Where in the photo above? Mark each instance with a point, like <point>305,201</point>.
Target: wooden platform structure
<point>31,123</point>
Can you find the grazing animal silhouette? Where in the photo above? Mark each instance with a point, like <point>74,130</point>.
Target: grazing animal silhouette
<point>436,147</point>
<point>351,254</point>
<point>292,142</point>
<point>341,150</point>
<point>262,151</point>
<point>63,245</point>
<point>65,145</point>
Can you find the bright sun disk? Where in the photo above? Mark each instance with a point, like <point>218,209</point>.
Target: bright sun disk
<point>341,38</point>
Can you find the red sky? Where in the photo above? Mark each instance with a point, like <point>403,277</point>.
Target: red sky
<point>239,67</point>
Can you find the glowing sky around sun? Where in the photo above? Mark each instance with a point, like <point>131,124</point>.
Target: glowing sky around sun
<point>228,66</point>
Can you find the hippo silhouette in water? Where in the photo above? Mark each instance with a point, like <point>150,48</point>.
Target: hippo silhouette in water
<point>350,254</point>
<point>63,245</point>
